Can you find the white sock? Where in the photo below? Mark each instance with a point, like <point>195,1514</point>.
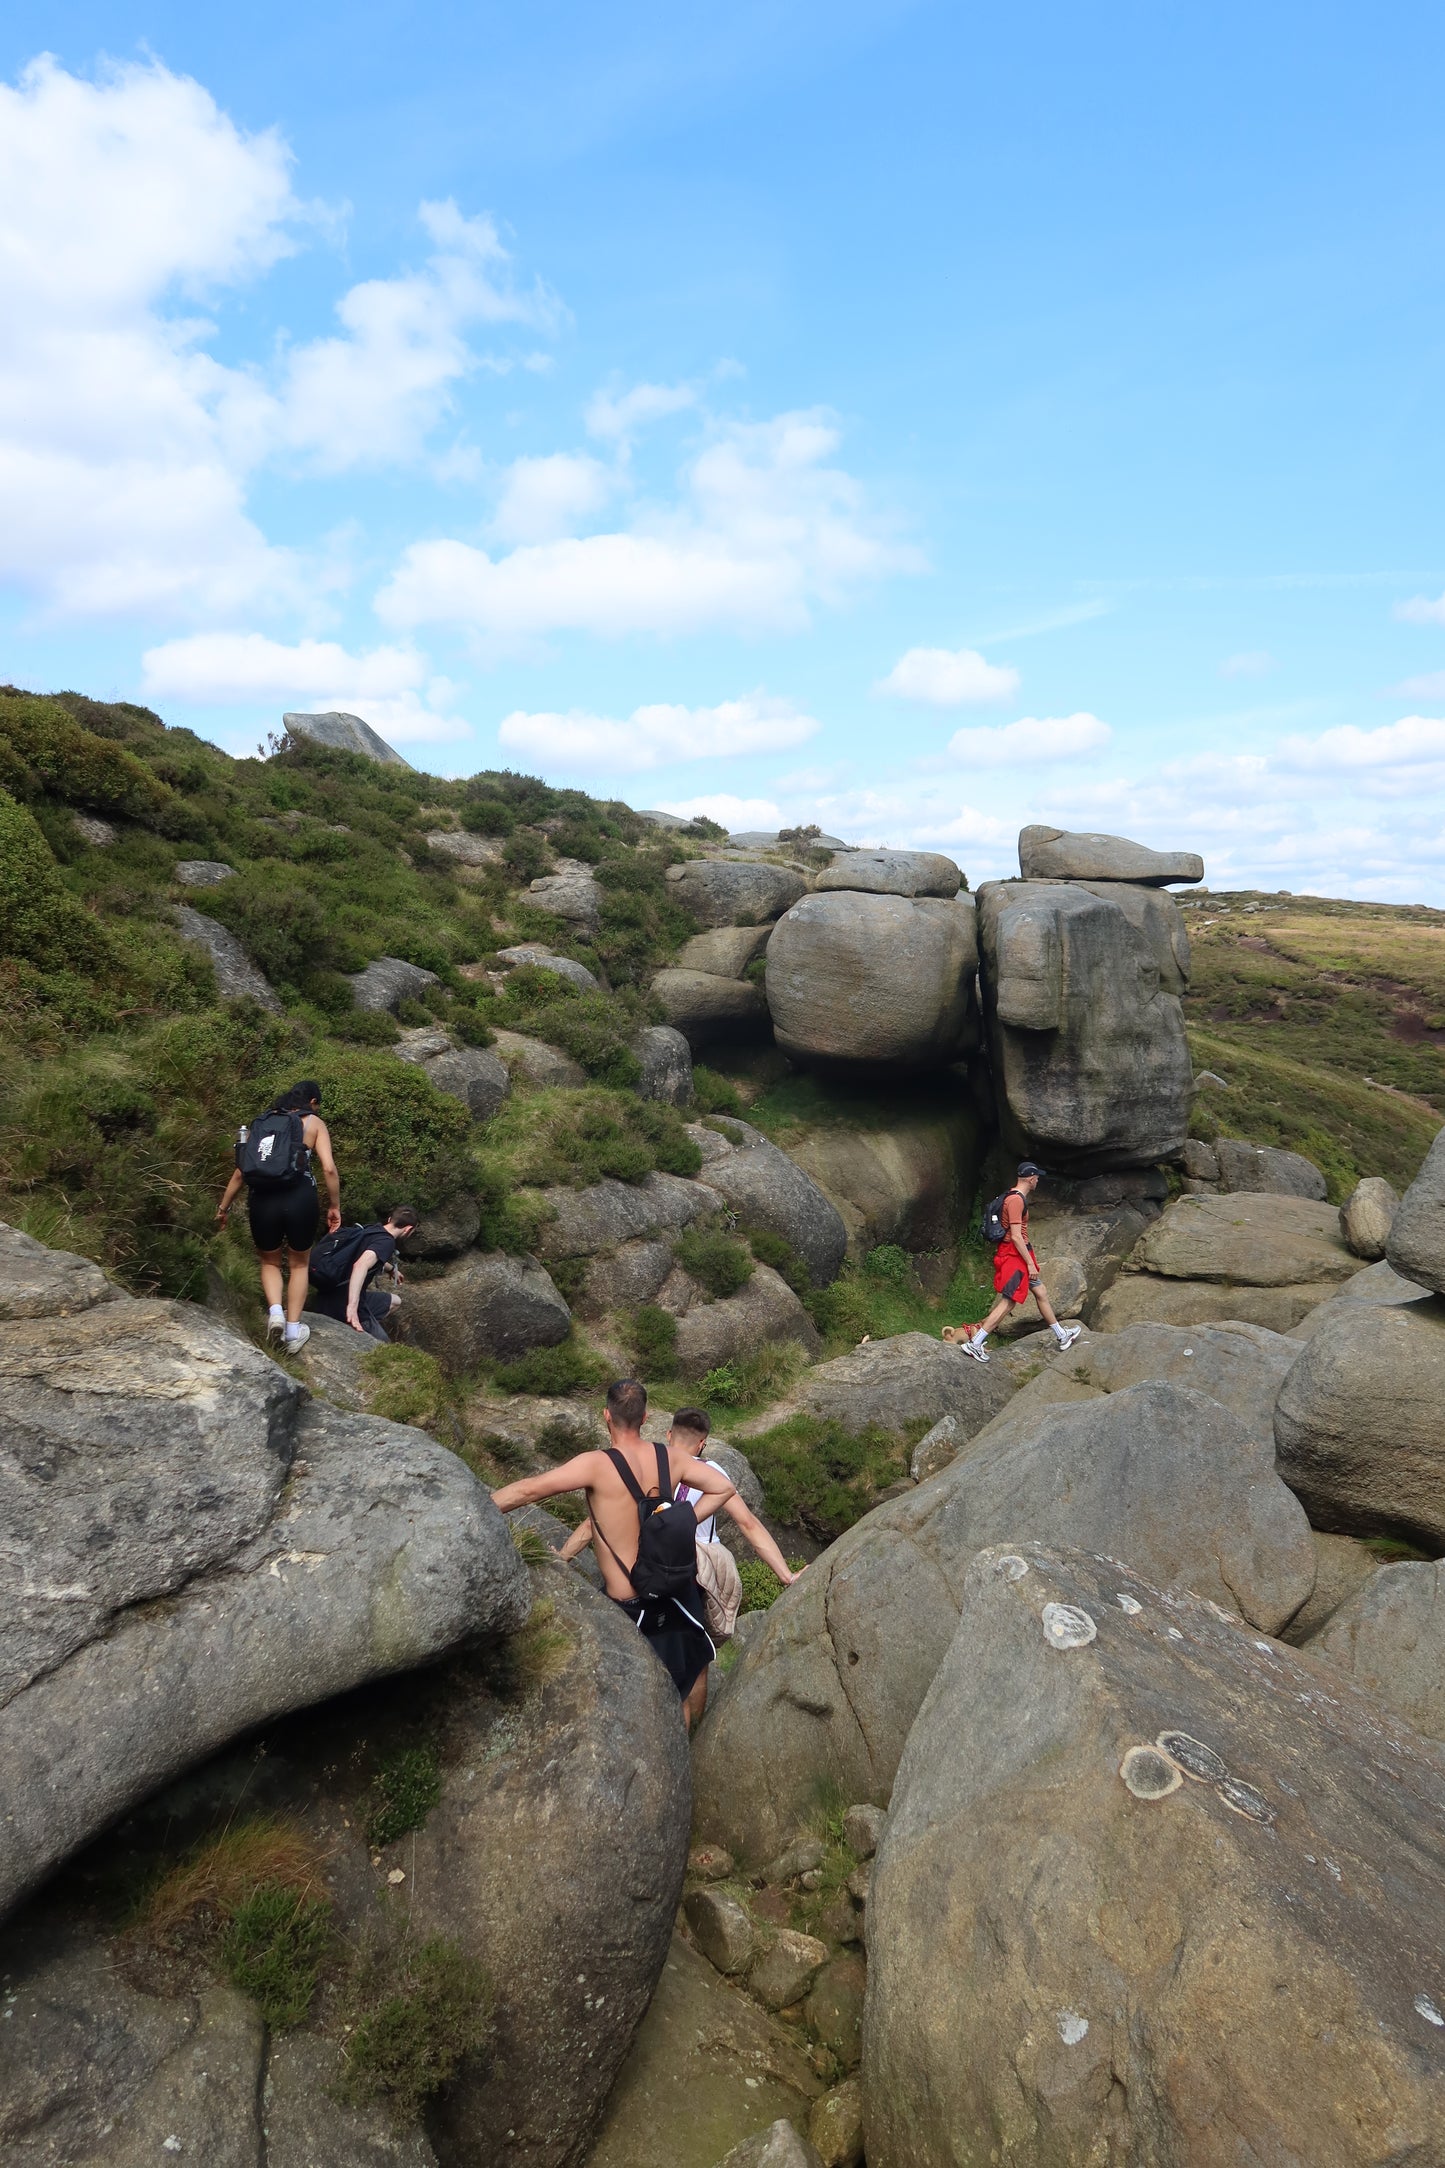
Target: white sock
<point>275,1315</point>
<point>1061,1334</point>
<point>976,1339</point>
<point>293,1332</point>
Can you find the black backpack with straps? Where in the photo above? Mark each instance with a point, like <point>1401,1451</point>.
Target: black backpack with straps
<point>667,1546</point>
<point>334,1255</point>
<point>272,1151</point>
<point>994,1228</point>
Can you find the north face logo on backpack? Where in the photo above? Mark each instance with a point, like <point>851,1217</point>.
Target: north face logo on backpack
<point>264,1149</point>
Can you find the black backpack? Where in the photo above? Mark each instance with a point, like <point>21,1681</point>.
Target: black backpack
<point>667,1547</point>
<point>272,1151</point>
<point>335,1254</point>
<point>994,1230</point>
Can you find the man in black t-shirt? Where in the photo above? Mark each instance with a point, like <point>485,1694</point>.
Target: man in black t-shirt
<point>357,1304</point>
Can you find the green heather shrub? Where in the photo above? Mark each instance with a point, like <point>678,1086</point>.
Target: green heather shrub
<point>774,1250</point>
<point>394,1134</point>
<point>822,1477</point>
<point>40,921</point>
<point>761,1586</point>
<point>573,1138</point>
<point>654,1341</point>
<point>272,1949</point>
<point>551,1372</point>
<point>488,817</point>
<point>526,856</point>
<point>890,1263</point>
<point>720,1265</point>
<point>404,1790</point>
<point>417,2019</point>
<point>43,747</point>
<point>641,925</point>
<point>713,1094</point>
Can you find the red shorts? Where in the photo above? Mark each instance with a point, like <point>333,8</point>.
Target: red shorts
<point>1011,1273</point>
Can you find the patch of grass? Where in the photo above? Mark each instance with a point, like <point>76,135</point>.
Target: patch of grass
<point>530,1546</point>
<point>714,1094</point>
<point>883,1298</point>
<point>551,1372</point>
<point>562,1139</point>
<point>404,1385</point>
<point>217,1876</point>
<point>520,1664</point>
<point>403,1792</point>
<point>654,1341</point>
<point>272,1950</point>
<point>761,1586</point>
<point>720,1265</point>
<point>751,1382</point>
<point>819,1476</point>
<point>414,2029</point>
<point>773,1250</point>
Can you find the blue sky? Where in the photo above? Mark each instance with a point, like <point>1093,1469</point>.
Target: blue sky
<point>921,419</point>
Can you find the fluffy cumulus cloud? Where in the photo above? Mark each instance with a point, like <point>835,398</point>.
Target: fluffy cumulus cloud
<point>392,688</point>
<point>946,677</point>
<point>763,527</point>
<point>1420,610</point>
<point>619,416</point>
<point>129,205</point>
<point>1407,756</point>
<point>1032,738</point>
<point>654,737</point>
<point>543,499</point>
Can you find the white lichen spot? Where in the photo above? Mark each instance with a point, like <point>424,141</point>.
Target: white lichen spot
<point>1429,2010</point>
<point>1130,1604</point>
<point>1066,1626</point>
<point>396,1876</point>
<point>1072,2027</point>
<point>1175,1634</point>
<point>1011,1566</point>
<point>1148,1774</point>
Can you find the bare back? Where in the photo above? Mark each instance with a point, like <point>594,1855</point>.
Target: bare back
<point>615,1518</point>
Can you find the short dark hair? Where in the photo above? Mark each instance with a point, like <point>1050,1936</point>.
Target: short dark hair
<point>627,1402</point>
<point>301,1096</point>
<point>403,1215</point>
<point>692,1419</point>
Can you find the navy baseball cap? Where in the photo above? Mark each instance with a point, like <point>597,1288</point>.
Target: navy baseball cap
<point>1027,1167</point>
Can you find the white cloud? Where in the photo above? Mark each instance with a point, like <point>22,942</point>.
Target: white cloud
<point>1033,739</point>
<point>738,815</point>
<point>373,396</point>
<point>947,677</point>
<point>1429,687</point>
<point>127,204</point>
<point>1254,663</point>
<point>621,415</point>
<point>543,499</point>
<point>1402,756</point>
<point>657,736</point>
<point>1420,610</point>
<point>763,530</point>
<point>391,688</point>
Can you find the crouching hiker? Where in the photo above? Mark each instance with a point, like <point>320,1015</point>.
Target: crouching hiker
<point>1016,1273</point>
<point>348,1260</point>
<point>645,1536</point>
<point>273,1163</point>
<point>689,1434</point>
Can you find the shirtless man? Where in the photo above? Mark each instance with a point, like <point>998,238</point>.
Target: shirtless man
<point>1016,1273</point>
<point>673,1626</point>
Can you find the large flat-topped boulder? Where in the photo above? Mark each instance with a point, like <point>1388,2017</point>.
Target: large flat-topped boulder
<point>188,1550</point>
<point>1062,854</point>
<point>37,1282</point>
<point>891,873</point>
<point>829,1685</point>
<point>1090,1061</point>
<point>734,891</point>
<point>858,981</point>
<point>1151,1891</point>
<point>1250,1239</point>
<point>344,734</point>
<point>1416,1245</point>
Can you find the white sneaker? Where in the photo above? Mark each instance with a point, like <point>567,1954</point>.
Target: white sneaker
<point>296,1338</point>
<point>1068,1336</point>
<point>975,1348</point>
<point>275,1324</point>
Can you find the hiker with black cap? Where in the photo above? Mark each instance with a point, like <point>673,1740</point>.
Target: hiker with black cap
<point>273,1164</point>
<point>644,1535</point>
<point>1016,1273</point>
<point>344,1264</point>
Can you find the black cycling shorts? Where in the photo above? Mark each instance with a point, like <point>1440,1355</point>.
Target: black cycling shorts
<point>285,1217</point>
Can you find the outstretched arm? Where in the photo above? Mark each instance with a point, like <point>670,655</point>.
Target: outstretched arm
<point>579,1473</point>
<point>759,1538</point>
<point>359,1271</point>
<point>322,1149</point>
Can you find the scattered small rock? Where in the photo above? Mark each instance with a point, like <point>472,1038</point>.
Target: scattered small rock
<point>785,1972</point>
<point>721,1929</point>
<point>862,1828</point>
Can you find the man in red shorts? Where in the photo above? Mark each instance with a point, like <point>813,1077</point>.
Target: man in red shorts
<point>1015,1273</point>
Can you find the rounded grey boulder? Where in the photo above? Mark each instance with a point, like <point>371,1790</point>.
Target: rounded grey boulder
<point>666,1065</point>
<point>1390,1637</point>
<point>1366,1217</point>
<point>203,872</point>
<point>874,981</point>
<point>1357,1425</point>
<point>891,873</point>
<point>769,1191</point>
<point>734,891</point>
<point>1058,854</point>
<point>387,982</point>
<point>488,1308</point>
<point>1416,1247</point>
<point>705,1008</point>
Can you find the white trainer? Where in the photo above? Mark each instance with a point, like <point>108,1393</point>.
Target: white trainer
<point>296,1338</point>
<point>975,1348</point>
<point>1068,1336</point>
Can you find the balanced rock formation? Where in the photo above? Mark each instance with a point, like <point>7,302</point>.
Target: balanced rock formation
<point>1081,1004</point>
<point>891,873</point>
<point>1158,1474</point>
<point>1059,854</point>
<point>1103,1783</point>
<point>1357,1425</point>
<point>1416,1246</point>
<point>346,734</point>
<point>191,1551</point>
<point>874,981</point>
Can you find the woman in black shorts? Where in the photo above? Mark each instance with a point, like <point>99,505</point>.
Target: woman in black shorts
<point>285,1216</point>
